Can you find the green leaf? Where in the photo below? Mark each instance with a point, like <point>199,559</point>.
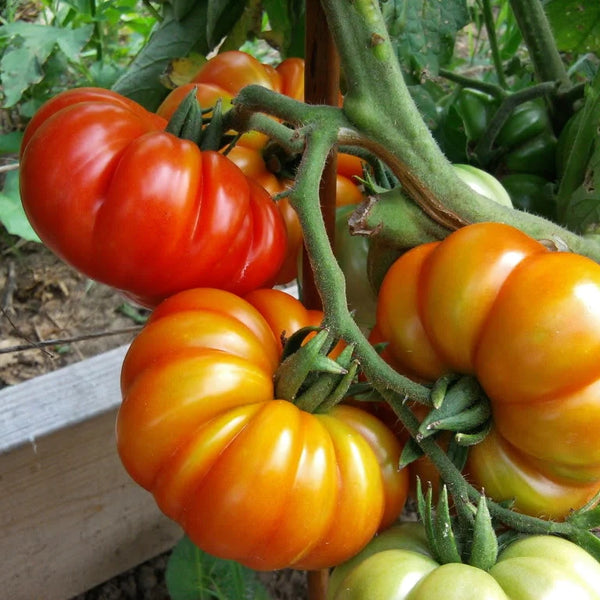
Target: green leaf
<point>181,8</point>
<point>10,142</point>
<point>424,31</point>
<point>575,24</point>
<point>12,215</point>
<point>173,38</point>
<point>195,575</point>
<point>247,28</point>
<point>286,20</point>
<point>221,17</point>
<point>28,49</point>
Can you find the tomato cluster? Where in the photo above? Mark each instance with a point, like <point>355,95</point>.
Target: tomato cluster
<point>253,477</point>
<point>221,78</point>
<point>488,301</point>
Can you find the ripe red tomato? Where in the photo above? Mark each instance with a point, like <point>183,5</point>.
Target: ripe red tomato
<point>249,477</point>
<point>114,195</point>
<point>492,302</point>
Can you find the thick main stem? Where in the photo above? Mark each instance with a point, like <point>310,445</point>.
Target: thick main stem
<point>539,40</point>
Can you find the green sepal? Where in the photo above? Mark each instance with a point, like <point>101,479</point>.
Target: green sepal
<point>341,389</point>
<point>457,454</point>
<point>589,519</point>
<point>187,122</point>
<point>447,542</point>
<point>472,417</point>
<point>588,515</point>
<point>329,388</point>
<point>440,388</point>
<point>459,397</point>
<point>472,438</point>
<point>425,510</point>
<point>484,545</point>
<point>294,342</point>
<point>293,371</point>
<point>213,133</point>
<point>411,452</point>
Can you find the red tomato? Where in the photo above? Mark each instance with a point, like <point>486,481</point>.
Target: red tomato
<point>223,77</point>
<point>249,477</point>
<point>490,301</point>
<point>114,195</point>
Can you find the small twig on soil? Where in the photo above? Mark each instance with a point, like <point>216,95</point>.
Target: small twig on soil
<point>31,345</point>
<point>9,288</point>
<point>9,167</point>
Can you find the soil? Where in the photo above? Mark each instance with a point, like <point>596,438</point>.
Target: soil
<point>52,316</point>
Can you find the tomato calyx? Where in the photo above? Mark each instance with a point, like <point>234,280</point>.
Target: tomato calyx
<point>458,539</point>
<point>310,378</point>
<point>460,406</point>
<point>190,122</point>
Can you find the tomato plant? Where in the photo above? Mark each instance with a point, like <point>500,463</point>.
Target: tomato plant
<point>466,305</point>
<point>134,207</point>
<point>496,311</point>
<point>398,565</point>
<point>248,476</point>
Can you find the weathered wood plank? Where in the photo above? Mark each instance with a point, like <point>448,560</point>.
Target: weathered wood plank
<point>70,517</point>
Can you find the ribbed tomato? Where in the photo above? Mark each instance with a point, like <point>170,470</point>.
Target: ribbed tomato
<point>130,205</point>
<point>492,302</point>
<point>249,477</point>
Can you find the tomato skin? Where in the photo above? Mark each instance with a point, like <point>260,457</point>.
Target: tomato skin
<point>394,566</point>
<point>249,477</point>
<point>122,200</point>
<point>491,302</point>
<point>509,474</point>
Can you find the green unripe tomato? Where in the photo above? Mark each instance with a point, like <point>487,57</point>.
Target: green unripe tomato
<point>483,183</point>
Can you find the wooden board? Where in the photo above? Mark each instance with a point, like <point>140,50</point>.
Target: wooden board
<point>70,517</point>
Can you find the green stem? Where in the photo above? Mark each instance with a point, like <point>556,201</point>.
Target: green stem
<point>579,153</point>
<point>328,275</point>
<point>477,84</point>
<point>97,35</point>
<point>490,27</point>
<point>538,37</point>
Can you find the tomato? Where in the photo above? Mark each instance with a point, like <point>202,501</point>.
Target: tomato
<point>223,76</point>
<point>397,565</point>
<point>248,476</point>
<point>483,183</point>
<point>491,302</point>
<point>127,204</point>
<point>510,474</point>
